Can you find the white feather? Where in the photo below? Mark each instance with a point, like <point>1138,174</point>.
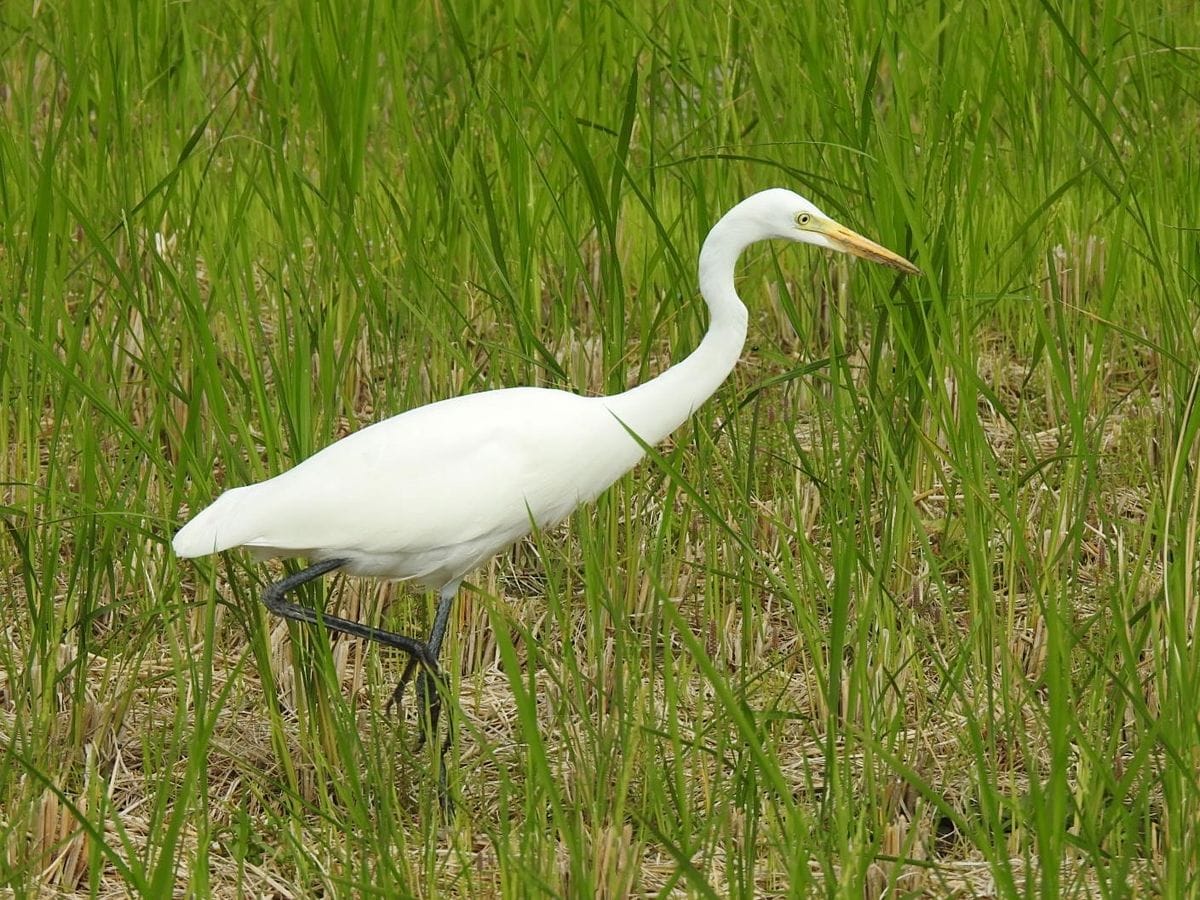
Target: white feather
<point>433,492</point>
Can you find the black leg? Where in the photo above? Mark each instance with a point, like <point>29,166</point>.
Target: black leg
<point>426,686</point>
<point>428,697</point>
<point>420,653</point>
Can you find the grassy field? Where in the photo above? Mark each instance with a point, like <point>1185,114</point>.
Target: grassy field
<point>908,608</point>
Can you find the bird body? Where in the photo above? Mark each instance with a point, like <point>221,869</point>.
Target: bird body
<point>428,494</point>
<point>432,493</point>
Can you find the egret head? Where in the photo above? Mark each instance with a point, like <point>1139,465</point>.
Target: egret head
<point>780,213</point>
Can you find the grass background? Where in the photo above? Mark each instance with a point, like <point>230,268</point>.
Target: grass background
<point>908,607</point>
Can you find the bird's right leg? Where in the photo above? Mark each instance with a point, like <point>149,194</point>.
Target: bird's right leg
<point>427,687</point>
<point>428,693</point>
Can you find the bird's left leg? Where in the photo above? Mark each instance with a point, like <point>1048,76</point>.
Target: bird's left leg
<point>418,651</point>
<point>422,653</point>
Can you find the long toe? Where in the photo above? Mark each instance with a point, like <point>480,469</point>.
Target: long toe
<point>429,705</point>
<point>401,685</point>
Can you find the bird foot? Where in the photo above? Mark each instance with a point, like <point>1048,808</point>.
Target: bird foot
<point>430,683</point>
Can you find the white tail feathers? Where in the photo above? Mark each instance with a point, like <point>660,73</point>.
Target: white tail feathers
<point>217,527</point>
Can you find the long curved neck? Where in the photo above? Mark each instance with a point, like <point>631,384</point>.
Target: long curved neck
<point>656,408</point>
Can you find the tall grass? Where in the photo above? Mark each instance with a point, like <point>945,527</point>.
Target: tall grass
<point>908,606</point>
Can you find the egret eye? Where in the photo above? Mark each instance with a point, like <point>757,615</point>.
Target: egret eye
<point>803,219</point>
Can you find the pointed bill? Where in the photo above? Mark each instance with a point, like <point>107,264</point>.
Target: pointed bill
<point>855,243</point>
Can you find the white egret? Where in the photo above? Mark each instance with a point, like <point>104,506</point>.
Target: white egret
<point>429,494</point>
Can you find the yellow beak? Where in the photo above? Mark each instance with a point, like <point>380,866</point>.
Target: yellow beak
<point>853,242</point>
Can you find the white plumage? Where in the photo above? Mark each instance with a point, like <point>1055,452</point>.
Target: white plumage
<point>430,494</point>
